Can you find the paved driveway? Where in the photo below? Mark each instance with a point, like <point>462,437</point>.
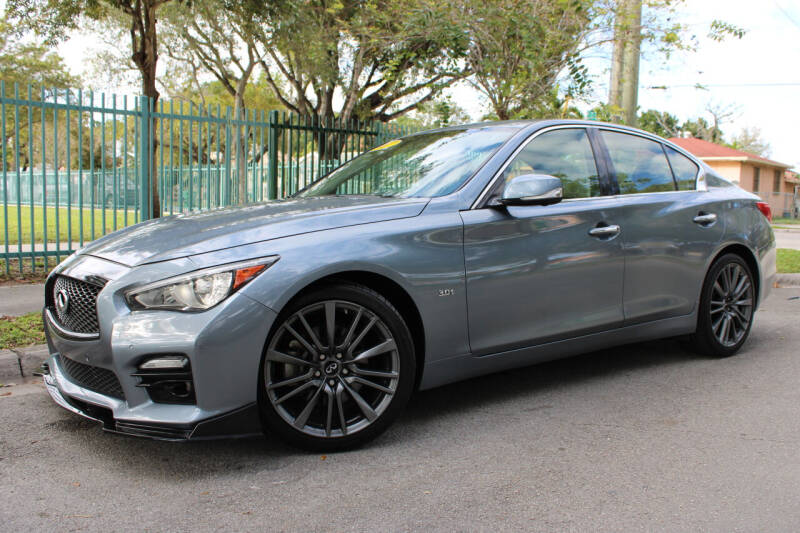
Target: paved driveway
<point>643,438</point>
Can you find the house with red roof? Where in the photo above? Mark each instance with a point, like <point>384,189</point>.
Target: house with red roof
<point>771,180</point>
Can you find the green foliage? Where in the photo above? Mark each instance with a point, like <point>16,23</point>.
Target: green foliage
<point>439,113</point>
<point>518,49</point>
<point>385,57</point>
<point>660,123</point>
<point>750,140</point>
<point>721,30</point>
<point>25,62</point>
<point>700,128</point>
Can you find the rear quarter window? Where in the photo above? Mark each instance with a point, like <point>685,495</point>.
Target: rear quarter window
<point>685,169</point>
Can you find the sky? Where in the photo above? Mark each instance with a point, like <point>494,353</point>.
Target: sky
<point>758,77</point>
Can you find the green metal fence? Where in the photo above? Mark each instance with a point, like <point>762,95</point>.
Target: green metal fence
<point>77,165</point>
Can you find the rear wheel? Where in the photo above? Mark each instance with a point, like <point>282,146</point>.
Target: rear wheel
<point>338,369</point>
<point>726,308</point>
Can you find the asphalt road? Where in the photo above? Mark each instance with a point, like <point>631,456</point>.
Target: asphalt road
<point>642,438</point>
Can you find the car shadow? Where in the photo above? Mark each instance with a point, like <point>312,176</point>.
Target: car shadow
<point>194,460</point>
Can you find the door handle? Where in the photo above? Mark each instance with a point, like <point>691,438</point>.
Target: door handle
<point>604,231</point>
<point>705,219</point>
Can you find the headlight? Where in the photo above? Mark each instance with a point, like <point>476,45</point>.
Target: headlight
<point>197,291</point>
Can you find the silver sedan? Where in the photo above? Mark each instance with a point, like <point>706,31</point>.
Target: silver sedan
<point>430,259</point>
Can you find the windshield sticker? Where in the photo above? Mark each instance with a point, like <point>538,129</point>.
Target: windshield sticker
<point>384,146</point>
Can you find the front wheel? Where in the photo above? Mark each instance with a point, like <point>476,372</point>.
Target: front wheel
<point>726,308</point>
<point>338,368</point>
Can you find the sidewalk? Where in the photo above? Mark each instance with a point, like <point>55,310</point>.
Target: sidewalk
<point>19,364</point>
<point>17,300</point>
<point>788,238</point>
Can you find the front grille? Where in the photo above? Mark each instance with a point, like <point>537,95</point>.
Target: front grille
<point>79,315</point>
<point>93,378</point>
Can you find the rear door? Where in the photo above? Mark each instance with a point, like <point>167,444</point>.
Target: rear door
<point>668,229</point>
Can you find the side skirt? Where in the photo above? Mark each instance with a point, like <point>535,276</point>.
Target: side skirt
<point>467,366</point>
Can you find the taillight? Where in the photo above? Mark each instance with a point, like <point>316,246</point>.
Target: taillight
<point>765,209</point>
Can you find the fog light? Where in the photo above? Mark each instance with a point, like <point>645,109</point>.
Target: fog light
<point>167,378</point>
<point>170,362</point>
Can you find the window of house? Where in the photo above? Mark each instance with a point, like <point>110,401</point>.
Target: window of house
<point>640,164</point>
<point>776,181</point>
<point>565,154</point>
<point>684,169</point>
<point>756,179</point>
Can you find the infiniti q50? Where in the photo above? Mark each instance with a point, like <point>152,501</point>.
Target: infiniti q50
<point>429,259</point>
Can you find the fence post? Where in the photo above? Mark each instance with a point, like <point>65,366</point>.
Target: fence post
<point>272,164</point>
<point>144,158</point>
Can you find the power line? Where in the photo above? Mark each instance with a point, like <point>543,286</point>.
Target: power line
<point>786,14</point>
<point>707,85</point>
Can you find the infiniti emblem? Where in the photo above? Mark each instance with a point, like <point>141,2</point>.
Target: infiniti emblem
<point>62,301</point>
<point>331,368</point>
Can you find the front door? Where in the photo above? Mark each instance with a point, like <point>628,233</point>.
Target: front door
<point>535,273</point>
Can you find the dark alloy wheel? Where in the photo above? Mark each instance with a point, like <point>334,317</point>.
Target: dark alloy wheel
<point>337,370</point>
<point>726,307</point>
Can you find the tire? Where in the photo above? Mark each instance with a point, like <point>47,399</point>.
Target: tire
<point>324,396</point>
<point>718,305</point>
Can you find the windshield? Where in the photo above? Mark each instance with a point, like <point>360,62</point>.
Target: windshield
<point>423,165</point>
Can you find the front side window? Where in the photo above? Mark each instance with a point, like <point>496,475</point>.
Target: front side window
<point>639,163</point>
<point>422,165</point>
<point>684,169</point>
<point>565,154</point>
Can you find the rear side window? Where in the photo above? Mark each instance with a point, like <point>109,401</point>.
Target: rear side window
<point>639,163</point>
<point>565,154</point>
<point>685,169</point>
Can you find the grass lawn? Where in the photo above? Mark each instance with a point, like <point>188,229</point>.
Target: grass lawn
<point>29,273</point>
<point>63,215</point>
<point>22,330</point>
<point>788,261</point>
<point>785,221</point>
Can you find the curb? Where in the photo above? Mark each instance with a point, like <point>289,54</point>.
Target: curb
<point>20,363</point>
<point>787,280</point>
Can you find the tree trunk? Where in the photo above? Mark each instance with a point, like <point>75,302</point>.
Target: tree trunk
<point>146,59</point>
<point>630,71</point>
<point>624,82</point>
<point>239,147</point>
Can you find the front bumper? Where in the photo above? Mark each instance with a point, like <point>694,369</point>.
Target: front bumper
<point>224,346</point>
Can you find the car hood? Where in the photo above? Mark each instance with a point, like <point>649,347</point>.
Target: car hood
<point>190,234</point>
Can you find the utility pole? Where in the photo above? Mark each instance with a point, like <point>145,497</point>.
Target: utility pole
<point>623,91</point>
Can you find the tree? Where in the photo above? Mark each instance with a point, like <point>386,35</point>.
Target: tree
<point>439,113</point>
<point>700,128</point>
<point>385,57</point>
<point>634,22</point>
<point>27,62</point>
<point>518,49</point>
<point>24,63</point>
<point>53,19</point>
<point>750,140</point>
<point>218,36</point>
<point>661,123</point>
<point>623,92</point>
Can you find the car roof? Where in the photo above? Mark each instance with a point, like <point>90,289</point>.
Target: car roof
<point>539,123</point>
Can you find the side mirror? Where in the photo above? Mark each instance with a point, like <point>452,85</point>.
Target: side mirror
<point>532,189</point>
